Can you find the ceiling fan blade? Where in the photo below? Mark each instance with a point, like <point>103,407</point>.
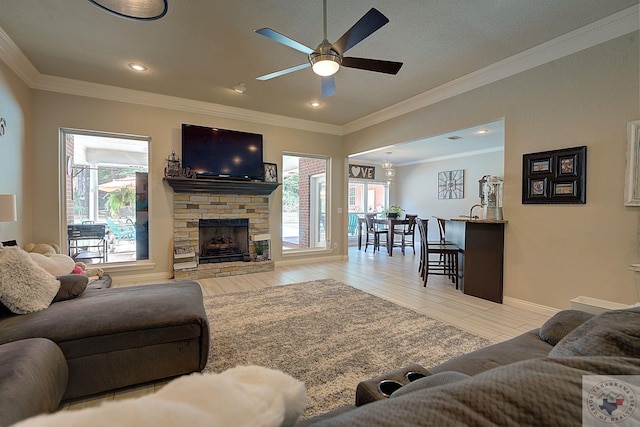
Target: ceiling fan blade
<point>328,86</point>
<point>377,65</point>
<point>367,25</point>
<point>282,39</point>
<point>285,71</point>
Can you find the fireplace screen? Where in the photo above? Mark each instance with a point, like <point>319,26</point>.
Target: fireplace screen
<point>223,240</point>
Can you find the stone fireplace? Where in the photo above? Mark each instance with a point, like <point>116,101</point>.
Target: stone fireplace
<point>230,211</point>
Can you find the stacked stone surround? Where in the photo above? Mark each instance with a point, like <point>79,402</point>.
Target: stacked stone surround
<point>189,208</point>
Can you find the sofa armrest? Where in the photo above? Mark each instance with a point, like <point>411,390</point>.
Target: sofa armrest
<point>71,285</point>
<point>33,379</point>
<point>561,324</point>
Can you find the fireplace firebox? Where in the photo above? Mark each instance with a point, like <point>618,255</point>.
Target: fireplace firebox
<point>223,240</point>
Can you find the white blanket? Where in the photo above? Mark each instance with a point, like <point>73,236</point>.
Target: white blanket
<point>250,396</point>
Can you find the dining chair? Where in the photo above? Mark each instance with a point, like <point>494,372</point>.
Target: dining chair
<point>447,251</point>
<point>407,232</point>
<point>373,230</point>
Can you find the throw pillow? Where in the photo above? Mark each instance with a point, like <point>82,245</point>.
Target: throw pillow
<point>613,333</point>
<point>71,286</point>
<point>56,264</point>
<point>24,286</point>
<point>561,324</point>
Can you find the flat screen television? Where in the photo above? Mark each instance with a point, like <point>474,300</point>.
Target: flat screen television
<point>213,153</point>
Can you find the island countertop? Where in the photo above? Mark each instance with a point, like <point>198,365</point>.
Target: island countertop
<point>479,221</point>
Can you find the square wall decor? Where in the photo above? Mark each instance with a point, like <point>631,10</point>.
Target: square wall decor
<point>451,184</point>
<point>558,176</point>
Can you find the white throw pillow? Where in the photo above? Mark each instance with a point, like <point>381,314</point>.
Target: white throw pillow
<point>56,264</point>
<point>25,287</point>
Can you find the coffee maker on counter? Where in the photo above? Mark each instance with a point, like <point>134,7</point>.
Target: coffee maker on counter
<point>491,189</point>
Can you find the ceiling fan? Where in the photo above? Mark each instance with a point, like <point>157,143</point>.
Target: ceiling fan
<point>326,59</point>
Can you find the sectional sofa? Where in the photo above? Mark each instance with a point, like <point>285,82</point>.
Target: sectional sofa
<point>577,369</point>
<point>98,340</point>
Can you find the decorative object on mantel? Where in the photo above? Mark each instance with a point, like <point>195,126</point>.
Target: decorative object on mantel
<point>173,168</point>
<point>270,172</point>
<point>362,172</point>
<point>451,184</point>
<point>558,176</point>
<point>632,177</point>
<point>3,126</point>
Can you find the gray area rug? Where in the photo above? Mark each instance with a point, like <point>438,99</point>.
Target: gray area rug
<point>327,334</point>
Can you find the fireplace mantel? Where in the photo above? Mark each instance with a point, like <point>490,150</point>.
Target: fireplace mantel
<point>221,186</point>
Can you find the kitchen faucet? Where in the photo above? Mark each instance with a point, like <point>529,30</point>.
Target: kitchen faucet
<point>471,211</point>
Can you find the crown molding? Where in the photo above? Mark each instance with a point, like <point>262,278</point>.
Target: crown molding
<point>132,96</point>
<point>609,28</point>
<point>11,55</point>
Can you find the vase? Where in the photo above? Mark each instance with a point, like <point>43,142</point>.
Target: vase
<point>392,215</point>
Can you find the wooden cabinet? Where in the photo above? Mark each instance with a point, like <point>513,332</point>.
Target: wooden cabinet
<point>481,256</point>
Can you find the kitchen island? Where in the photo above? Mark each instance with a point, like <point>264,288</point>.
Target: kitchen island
<point>481,256</point>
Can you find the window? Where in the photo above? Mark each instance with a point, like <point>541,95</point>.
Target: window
<point>304,202</point>
<point>106,197</point>
<point>367,196</point>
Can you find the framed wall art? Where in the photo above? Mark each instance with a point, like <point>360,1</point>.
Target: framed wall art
<point>270,172</point>
<point>557,176</point>
<point>451,184</point>
<point>632,177</point>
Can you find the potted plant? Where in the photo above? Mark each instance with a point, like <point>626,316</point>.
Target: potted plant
<point>260,248</point>
<point>393,211</point>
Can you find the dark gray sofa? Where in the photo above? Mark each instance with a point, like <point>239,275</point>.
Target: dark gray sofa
<point>109,338</point>
<point>534,379</point>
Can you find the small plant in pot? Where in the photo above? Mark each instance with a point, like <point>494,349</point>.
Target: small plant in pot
<point>393,211</point>
<point>260,248</point>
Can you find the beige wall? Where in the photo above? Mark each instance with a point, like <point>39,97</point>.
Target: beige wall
<point>15,175</point>
<point>52,111</point>
<point>553,252</point>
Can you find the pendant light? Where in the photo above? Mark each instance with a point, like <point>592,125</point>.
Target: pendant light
<point>139,10</point>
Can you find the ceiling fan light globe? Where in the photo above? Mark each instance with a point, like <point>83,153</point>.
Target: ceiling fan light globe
<point>325,64</point>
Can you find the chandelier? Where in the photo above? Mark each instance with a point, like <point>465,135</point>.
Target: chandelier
<point>388,167</point>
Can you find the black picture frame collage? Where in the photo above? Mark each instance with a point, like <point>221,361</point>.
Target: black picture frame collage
<point>557,176</point>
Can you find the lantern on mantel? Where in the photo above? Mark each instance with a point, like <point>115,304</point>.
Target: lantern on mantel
<point>173,168</point>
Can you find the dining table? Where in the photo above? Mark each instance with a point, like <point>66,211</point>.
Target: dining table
<point>389,223</point>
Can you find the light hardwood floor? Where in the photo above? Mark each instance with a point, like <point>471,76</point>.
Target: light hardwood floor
<point>392,278</point>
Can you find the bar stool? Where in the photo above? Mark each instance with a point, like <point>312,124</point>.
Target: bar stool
<point>448,252</point>
<point>375,231</point>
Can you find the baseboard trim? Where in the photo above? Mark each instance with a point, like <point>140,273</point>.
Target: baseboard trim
<point>530,306</point>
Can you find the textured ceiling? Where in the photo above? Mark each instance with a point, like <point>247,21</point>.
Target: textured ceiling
<point>202,48</point>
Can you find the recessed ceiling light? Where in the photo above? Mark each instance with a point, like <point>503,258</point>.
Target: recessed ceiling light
<point>240,88</point>
<point>454,137</point>
<point>314,104</point>
<point>137,67</point>
<point>483,131</point>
